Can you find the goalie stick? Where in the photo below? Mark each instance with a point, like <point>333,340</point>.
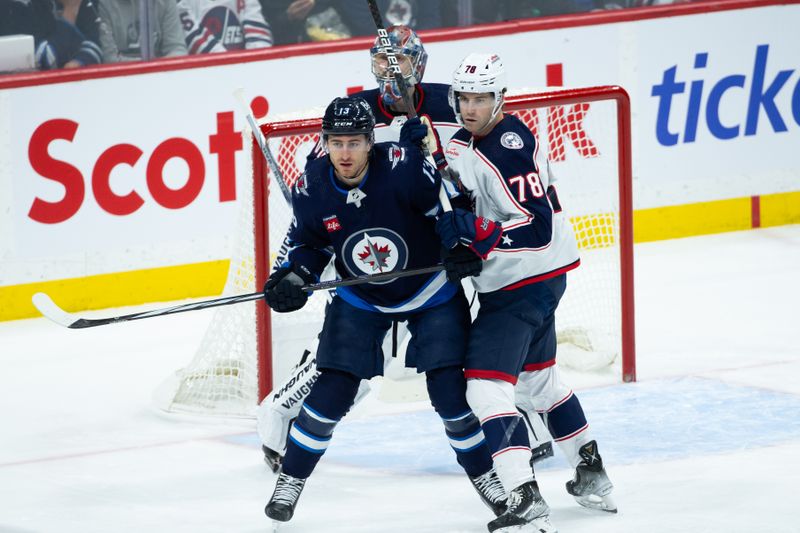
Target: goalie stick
<point>397,72</point>
<point>238,93</point>
<point>52,311</point>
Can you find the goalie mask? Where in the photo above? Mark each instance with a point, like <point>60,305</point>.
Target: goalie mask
<point>411,55</point>
<point>348,116</point>
<point>479,73</point>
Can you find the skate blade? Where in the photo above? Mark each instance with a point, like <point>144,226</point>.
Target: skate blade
<point>598,503</point>
<point>537,525</point>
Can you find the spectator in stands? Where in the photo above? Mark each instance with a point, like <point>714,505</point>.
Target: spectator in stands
<point>295,21</point>
<point>120,30</point>
<point>212,26</point>
<point>65,32</point>
<point>416,14</point>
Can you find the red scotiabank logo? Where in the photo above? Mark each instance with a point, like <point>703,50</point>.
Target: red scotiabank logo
<point>224,143</point>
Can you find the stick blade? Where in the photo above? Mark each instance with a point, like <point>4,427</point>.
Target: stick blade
<point>50,310</point>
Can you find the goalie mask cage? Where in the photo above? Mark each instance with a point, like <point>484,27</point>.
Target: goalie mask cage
<point>587,138</point>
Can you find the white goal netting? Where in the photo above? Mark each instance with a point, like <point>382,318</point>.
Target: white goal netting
<point>582,142</point>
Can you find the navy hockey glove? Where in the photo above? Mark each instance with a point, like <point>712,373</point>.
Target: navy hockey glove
<point>461,262</point>
<point>413,131</point>
<point>283,290</point>
<point>459,226</point>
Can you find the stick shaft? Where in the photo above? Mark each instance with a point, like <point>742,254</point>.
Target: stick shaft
<point>51,310</point>
<point>264,146</point>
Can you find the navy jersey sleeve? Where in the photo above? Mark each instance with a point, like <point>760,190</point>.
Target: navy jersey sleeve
<point>519,185</point>
<point>424,181</point>
<point>306,241</point>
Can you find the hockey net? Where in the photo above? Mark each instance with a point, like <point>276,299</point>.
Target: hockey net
<point>586,134</point>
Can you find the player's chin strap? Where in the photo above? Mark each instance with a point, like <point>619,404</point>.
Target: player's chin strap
<point>396,71</point>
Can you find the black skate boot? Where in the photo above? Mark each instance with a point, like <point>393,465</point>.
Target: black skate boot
<point>284,499</point>
<point>272,458</point>
<point>526,508</point>
<point>491,491</point>
<point>591,486</point>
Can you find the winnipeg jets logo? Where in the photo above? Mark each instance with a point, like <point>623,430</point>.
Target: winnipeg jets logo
<point>396,154</point>
<point>374,255</point>
<point>511,140</point>
<point>374,251</point>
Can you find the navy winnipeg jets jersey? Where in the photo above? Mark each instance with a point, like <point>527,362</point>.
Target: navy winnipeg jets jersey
<point>383,225</point>
<point>511,183</point>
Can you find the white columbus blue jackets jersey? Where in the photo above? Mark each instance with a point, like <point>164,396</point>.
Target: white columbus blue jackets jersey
<point>383,225</point>
<point>511,184</point>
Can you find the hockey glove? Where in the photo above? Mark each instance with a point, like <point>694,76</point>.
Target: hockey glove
<point>434,144</point>
<point>459,226</point>
<point>283,290</point>
<point>413,131</point>
<point>461,262</point>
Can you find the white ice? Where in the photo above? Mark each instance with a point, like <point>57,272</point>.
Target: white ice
<point>708,440</point>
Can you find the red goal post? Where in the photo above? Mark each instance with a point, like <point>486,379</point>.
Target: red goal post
<point>521,105</point>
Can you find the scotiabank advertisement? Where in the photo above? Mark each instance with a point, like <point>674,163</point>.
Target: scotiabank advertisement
<point>143,171</point>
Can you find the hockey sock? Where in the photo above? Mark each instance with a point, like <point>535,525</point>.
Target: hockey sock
<point>330,398</point>
<point>447,391</point>
<point>568,426</point>
<point>505,431</point>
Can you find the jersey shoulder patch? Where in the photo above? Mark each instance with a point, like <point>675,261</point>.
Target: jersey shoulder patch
<point>511,140</point>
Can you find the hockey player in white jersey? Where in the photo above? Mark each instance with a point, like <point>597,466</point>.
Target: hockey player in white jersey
<point>528,246</point>
<point>220,25</point>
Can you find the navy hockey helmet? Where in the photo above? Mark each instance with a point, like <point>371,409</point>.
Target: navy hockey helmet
<point>348,116</point>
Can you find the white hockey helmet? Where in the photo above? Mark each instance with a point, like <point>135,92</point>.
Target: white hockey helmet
<point>479,73</point>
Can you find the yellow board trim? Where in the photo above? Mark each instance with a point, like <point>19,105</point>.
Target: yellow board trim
<point>688,220</point>
<point>118,289</point>
<point>780,209</point>
<point>204,279</point>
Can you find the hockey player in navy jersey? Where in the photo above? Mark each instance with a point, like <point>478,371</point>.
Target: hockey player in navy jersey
<point>370,207</point>
<point>520,231</point>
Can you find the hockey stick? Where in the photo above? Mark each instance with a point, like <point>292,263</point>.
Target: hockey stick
<point>238,93</point>
<point>397,72</point>
<point>51,310</point>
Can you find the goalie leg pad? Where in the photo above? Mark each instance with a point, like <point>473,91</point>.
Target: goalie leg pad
<point>278,409</point>
<point>329,400</point>
<point>447,391</point>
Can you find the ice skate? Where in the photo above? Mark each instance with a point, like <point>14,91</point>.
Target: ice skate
<point>273,459</point>
<point>491,491</point>
<point>284,499</point>
<point>591,487</point>
<point>527,511</point>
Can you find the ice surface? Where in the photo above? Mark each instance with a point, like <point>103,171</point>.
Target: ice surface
<point>708,440</point>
